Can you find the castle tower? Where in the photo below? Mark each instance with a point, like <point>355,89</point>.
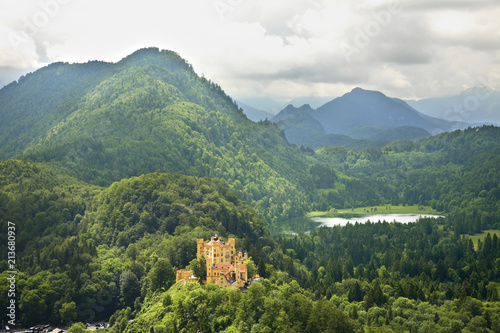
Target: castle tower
<point>200,247</point>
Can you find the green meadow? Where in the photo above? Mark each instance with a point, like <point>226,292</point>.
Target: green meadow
<point>382,209</point>
<point>475,238</point>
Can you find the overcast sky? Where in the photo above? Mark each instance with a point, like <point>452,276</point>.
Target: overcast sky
<point>281,49</point>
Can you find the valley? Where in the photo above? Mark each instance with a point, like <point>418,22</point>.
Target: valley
<point>111,171</point>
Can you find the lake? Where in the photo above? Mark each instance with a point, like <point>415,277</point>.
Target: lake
<point>401,218</point>
<point>306,224</point>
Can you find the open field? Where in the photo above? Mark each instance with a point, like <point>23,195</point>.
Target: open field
<point>382,209</point>
<point>475,238</point>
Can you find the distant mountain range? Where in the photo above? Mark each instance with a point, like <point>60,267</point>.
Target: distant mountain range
<point>474,105</point>
<point>359,115</point>
<point>261,108</point>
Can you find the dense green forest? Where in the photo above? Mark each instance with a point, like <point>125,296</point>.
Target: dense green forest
<point>381,277</point>
<point>111,171</point>
<point>79,241</point>
<point>455,172</point>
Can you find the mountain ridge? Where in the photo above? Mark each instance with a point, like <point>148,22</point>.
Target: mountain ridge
<point>367,115</point>
<point>379,109</point>
<point>477,105</point>
<point>151,112</point>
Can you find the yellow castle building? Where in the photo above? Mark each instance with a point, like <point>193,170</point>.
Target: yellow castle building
<point>225,266</point>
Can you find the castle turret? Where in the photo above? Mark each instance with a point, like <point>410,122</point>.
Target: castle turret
<point>200,246</point>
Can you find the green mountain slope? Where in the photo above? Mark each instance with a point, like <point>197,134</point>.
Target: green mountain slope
<point>386,133</point>
<point>40,100</point>
<point>150,112</point>
<point>41,200</point>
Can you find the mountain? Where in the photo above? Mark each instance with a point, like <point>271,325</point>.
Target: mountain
<point>372,108</point>
<point>479,105</point>
<point>302,129</point>
<point>102,122</point>
<point>253,113</point>
<point>291,111</point>
<point>368,115</point>
<point>267,107</point>
<point>123,242</point>
<point>314,102</point>
<point>36,102</point>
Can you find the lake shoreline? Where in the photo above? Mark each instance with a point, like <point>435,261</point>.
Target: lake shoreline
<point>309,223</point>
<point>374,218</point>
<point>375,210</point>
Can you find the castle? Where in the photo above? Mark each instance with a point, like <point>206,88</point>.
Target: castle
<point>225,267</point>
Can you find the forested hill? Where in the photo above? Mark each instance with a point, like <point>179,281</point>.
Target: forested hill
<point>31,107</point>
<point>102,122</point>
<point>457,173</point>
<point>76,243</point>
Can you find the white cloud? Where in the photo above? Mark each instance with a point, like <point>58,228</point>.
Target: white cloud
<point>281,48</point>
<point>17,49</point>
<point>451,22</point>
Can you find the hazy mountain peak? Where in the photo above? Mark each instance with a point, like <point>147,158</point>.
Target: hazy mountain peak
<point>360,92</point>
<point>364,114</point>
<point>305,108</point>
<point>291,110</point>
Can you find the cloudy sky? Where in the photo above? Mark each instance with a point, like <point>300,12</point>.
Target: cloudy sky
<point>281,49</point>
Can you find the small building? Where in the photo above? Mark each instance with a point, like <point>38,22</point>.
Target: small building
<point>186,275</point>
<point>225,266</point>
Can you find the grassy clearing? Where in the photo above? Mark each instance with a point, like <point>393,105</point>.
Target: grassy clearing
<point>370,210</point>
<point>475,238</point>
